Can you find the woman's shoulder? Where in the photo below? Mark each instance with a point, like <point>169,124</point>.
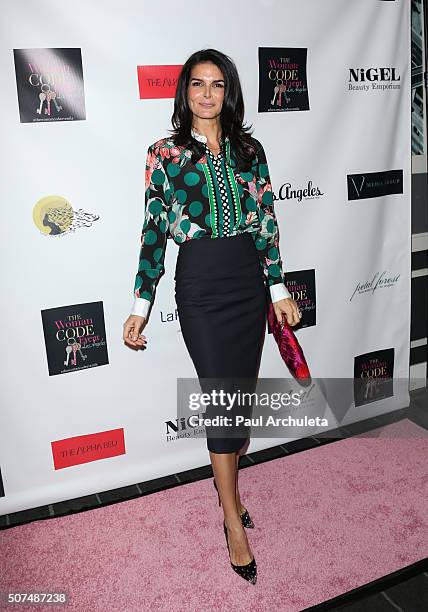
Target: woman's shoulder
<point>256,144</point>
<point>165,142</point>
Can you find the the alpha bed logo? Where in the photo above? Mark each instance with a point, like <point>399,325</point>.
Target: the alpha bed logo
<point>373,376</point>
<point>75,337</point>
<point>374,184</point>
<point>89,447</point>
<point>301,285</point>
<point>282,79</point>
<point>380,79</point>
<point>158,81</point>
<point>54,216</point>
<point>49,84</point>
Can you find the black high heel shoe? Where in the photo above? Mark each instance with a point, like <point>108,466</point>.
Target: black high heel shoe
<point>245,517</point>
<point>247,572</point>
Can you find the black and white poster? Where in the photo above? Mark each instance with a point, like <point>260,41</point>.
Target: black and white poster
<point>75,337</point>
<point>49,84</point>
<point>282,80</point>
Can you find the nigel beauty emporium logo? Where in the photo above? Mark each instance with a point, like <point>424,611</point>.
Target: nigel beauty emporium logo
<point>380,280</point>
<point>381,79</point>
<point>180,428</point>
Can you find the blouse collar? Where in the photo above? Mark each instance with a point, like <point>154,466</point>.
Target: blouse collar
<point>201,138</point>
<point>197,136</point>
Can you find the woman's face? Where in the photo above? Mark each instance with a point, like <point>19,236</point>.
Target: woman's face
<point>205,93</point>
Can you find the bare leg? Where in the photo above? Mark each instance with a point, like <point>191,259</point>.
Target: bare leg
<point>241,508</point>
<point>224,468</point>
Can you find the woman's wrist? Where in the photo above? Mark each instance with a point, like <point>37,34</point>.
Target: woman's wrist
<point>279,292</point>
<point>140,307</point>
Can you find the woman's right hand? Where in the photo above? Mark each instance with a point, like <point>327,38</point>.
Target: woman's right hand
<point>132,329</point>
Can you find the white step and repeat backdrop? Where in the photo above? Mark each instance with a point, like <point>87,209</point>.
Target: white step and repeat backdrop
<point>327,89</point>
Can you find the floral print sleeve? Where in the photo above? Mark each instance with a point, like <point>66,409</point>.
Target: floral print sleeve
<point>154,232</point>
<point>267,237</point>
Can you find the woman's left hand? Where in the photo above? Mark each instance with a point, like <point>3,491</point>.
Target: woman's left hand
<point>291,310</point>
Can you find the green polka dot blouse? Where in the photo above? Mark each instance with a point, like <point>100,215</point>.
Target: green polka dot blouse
<point>210,199</point>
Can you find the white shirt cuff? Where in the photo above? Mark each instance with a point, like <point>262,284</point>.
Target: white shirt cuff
<point>279,292</point>
<point>141,307</point>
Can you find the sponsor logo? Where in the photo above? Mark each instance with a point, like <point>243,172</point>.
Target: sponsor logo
<point>380,79</point>
<point>380,280</point>
<point>54,216</point>
<point>169,317</point>
<point>182,428</point>
<point>288,192</point>
<point>158,81</point>
<point>49,85</point>
<point>374,184</point>
<point>373,376</point>
<point>87,448</point>
<point>75,337</point>
<point>282,80</point>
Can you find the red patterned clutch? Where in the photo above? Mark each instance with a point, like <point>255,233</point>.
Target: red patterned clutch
<point>289,347</point>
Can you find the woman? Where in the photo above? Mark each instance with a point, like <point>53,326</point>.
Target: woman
<point>208,187</point>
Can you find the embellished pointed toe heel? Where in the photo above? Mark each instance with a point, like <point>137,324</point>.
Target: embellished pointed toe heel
<point>247,572</point>
<point>245,517</point>
<point>246,520</point>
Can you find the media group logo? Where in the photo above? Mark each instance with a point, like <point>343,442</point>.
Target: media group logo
<point>373,376</point>
<point>54,216</point>
<point>49,85</point>
<point>282,79</point>
<point>374,184</point>
<point>371,79</point>
<point>288,192</point>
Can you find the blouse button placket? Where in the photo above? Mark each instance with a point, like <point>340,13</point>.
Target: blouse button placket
<point>216,160</point>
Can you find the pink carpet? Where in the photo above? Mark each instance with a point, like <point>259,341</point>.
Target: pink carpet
<point>327,520</point>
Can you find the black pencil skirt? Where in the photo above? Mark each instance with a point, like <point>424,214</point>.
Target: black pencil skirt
<point>221,298</point>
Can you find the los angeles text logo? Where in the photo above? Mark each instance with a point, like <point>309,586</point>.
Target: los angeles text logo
<point>288,192</point>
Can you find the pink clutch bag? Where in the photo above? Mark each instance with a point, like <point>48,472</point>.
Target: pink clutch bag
<point>289,347</point>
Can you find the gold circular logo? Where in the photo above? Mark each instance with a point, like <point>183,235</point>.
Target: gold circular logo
<point>53,215</point>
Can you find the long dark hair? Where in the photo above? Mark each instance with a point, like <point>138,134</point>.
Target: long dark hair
<point>232,112</point>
